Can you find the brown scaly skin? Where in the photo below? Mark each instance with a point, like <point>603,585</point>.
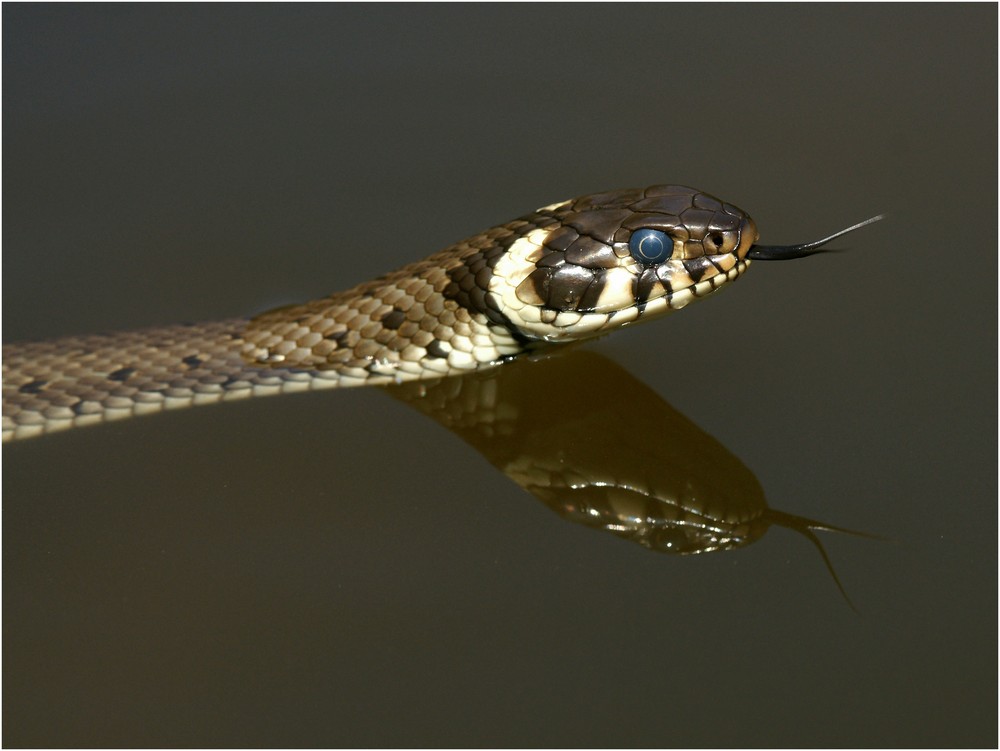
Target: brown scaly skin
<point>560,274</point>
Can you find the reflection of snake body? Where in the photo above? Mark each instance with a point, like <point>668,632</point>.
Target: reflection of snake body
<point>654,478</point>
<point>565,272</point>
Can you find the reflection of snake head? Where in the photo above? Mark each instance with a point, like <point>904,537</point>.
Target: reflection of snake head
<point>663,524</point>
<point>626,463</point>
<point>609,259</point>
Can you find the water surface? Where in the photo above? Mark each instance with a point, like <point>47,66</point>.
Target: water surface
<point>337,569</point>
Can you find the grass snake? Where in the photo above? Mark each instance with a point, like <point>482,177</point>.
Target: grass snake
<point>563,273</point>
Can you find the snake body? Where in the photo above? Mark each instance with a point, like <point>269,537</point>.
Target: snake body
<point>562,273</point>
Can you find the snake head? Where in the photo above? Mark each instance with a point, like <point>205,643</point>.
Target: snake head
<point>605,260</point>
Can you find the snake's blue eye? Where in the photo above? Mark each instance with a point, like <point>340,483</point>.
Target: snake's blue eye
<point>650,246</point>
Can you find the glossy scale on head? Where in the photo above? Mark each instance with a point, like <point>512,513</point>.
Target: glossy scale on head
<point>619,256</point>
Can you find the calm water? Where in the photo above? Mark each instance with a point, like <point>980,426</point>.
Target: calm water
<point>338,569</point>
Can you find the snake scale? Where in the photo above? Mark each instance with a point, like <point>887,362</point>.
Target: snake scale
<point>565,272</point>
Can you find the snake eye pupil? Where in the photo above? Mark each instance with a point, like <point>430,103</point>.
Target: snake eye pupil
<point>650,246</point>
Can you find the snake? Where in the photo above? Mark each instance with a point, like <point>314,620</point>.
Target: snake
<point>566,272</point>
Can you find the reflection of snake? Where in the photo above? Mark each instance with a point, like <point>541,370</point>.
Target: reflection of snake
<point>565,272</point>
<point>628,464</point>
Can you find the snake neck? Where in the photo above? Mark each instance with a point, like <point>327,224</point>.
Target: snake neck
<point>434,317</point>
<point>431,318</point>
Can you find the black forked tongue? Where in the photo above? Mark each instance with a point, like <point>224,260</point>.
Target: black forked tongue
<point>785,252</point>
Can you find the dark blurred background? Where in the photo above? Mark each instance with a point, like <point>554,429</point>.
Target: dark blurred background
<point>333,569</point>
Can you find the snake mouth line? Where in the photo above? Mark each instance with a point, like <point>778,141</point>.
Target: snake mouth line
<point>678,299</point>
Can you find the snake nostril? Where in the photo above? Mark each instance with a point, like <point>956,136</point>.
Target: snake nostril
<point>716,240</point>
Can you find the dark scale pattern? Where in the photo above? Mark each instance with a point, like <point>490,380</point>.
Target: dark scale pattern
<point>121,374</point>
<point>393,319</point>
<point>34,387</point>
<point>81,380</point>
<point>435,349</point>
